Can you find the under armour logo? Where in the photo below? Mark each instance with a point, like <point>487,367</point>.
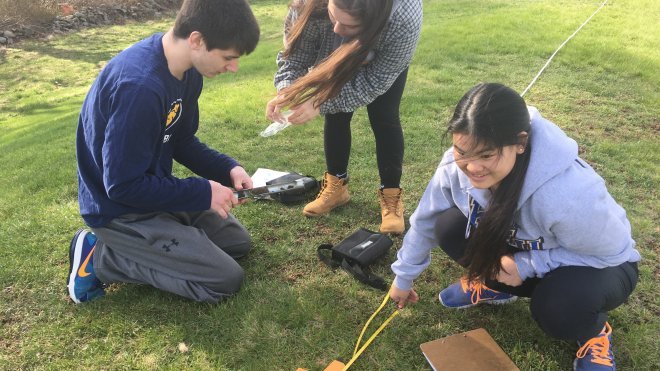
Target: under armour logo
<point>167,247</point>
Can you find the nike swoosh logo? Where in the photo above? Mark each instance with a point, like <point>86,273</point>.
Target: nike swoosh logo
<point>82,270</point>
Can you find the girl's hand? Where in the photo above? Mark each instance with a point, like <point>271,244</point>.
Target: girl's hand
<point>304,113</point>
<point>401,297</point>
<point>273,110</point>
<point>509,273</point>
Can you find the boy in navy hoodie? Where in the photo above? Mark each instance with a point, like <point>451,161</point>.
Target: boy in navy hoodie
<point>141,113</point>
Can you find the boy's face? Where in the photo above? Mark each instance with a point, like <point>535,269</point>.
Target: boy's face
<point>210,63</point>
<point>213,62</point>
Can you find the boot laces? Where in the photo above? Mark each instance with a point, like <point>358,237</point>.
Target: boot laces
<point>390,203</point>
<point>329,187</point>
<point>599,346</point>
<point>475,287</point>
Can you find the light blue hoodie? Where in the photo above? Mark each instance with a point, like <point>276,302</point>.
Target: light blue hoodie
<point>565,215</point>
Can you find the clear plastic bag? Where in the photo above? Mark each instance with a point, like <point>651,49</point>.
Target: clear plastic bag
<point>276,127</point>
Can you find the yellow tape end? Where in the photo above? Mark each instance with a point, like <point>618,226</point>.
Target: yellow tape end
<point>335,366</point>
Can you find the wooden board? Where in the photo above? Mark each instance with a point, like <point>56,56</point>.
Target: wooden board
<point>473,350</point>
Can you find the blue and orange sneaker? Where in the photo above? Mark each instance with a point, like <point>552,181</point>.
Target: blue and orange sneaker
<point>465,294</point>
<point>596,353</point>
<point>82,283</point>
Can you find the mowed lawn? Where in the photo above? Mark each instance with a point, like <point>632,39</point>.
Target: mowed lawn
<point>293,311</point>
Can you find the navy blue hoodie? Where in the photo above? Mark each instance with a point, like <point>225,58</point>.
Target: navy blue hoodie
<point>136,119</point>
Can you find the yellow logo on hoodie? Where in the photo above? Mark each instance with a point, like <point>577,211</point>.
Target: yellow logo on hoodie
<point>174,114</point>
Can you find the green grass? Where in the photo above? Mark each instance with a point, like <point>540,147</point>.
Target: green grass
<point>602,88</point>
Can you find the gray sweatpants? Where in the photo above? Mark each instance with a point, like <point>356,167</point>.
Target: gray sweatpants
<point>191,254</point>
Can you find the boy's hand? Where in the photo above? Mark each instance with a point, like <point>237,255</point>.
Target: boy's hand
<point>241,180</point>
<point>222,199</point>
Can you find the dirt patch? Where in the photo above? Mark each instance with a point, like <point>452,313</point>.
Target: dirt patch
<point>30,19</point>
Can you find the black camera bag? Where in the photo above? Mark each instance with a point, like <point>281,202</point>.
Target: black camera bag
<point>295,196</point>
<point>355,253</point>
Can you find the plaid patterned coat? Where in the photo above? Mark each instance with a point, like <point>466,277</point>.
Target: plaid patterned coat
<point>390,56</point>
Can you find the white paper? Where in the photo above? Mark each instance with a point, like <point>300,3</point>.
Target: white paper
<point>261,176</point>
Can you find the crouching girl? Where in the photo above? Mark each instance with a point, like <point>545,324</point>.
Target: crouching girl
<point>513,203</point>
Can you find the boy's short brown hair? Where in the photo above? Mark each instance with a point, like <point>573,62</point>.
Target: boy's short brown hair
<point>224,24</point>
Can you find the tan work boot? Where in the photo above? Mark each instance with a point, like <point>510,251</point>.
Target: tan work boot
<point>391,210</point>
<point>334,193</point>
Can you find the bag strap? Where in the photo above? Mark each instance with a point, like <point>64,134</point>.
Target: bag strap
<point>336,260</point>
<point>365,277</point>
<point>333,261</point>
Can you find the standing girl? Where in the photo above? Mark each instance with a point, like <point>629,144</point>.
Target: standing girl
<point>513,203</point>
<point>340,55</point>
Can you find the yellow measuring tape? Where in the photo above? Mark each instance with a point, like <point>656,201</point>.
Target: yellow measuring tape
<point>336,365</point>
<point>356,352</point>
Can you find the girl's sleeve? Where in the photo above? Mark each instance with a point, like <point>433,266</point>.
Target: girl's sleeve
<point>302,58</point>
<point>393,57</point>
<point>415,253</point>
<point>591,230</point>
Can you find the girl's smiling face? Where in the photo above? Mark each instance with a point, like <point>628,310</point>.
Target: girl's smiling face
<point>484,166</point>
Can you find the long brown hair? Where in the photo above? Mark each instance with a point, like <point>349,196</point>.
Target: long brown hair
<point>494,115</point>
<point>326,80</point>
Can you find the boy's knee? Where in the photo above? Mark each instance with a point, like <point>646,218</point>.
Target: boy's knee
<point>245,247</point>
<point>228,281</point>
<point>235,280</point>
<point>239,250</point>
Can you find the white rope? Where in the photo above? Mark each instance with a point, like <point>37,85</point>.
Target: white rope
<point>559,48</point>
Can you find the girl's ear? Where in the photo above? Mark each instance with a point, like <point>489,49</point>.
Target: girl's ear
<point>523,137</point>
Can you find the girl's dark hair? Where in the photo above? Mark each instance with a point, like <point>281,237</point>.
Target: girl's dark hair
<point>224,24</point>
<point>326,80</point>
<point>493,115</point>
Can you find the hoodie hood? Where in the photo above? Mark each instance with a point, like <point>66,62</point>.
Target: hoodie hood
<point>552,153</point>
